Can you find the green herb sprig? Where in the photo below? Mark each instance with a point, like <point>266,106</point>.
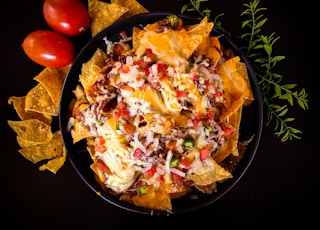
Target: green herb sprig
<point>259,49</point>
<point>194,6</point>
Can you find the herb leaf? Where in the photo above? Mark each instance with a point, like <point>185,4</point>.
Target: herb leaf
<point>259,50</point>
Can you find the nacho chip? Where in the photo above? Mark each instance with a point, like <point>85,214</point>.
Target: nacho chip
<point>208,174</point>
<point>103,14</point>
<point>235,84</point>
<point>52,80</point>
<point>211,48</point>
<point>154,199</point>
<point>38,100</point>
<point>133,6</point>
<point>32,130</point>
<point>136,37</point>
<point>19,106</point>
<point>23,143</point>
<point>171,46</point>
<point>90,71</point>
<point>46,151</point>
<point>55,164</point>
<point>203,28</point>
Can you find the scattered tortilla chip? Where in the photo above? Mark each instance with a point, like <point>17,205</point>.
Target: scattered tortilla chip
<point>46,151</point>
<point>23,143</point>
<point>19,106</point>
<point>103,14</point>
<point>52,80</point>
<point>32,130</point>
<point>38,100</point>
<point>133,6</point>
<point>55,164</point>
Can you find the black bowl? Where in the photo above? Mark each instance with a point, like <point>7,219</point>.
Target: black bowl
<point>250,127</point>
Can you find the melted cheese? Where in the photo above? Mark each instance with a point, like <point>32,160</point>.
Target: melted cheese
<point>171,46</point>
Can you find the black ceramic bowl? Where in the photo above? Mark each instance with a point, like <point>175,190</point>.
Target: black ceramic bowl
<point>251,124</point>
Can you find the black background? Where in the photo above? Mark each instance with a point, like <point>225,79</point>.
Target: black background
<point>280,188</point>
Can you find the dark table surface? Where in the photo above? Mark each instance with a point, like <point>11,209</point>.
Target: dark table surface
<point>279,189</point>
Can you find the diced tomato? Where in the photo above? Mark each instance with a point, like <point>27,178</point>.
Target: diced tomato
<point>195,123</point>
<point>116,115</point>
<point>123,35</point>
<point>210,114</point>
<point>129,128</point>
<point>150,172</point>
<point>123,112</point>
<point>176,178</point>
<point>160,178</point>
<point>122,105</point>
<point>171,144</point>
<point>209,85</point>
<point>145,63</point>
<point>184,163</point>
<point>127,87</point>
<point>204,153</point>
<point>146,71</point>
<point>100,144</point>
<point>194,75</point>
<point>124,69</point>
<point>162,70</point>
<point>218,93</point>
<point>137,153</point>
<point>102,166</point>
<point>148,51</point>
<point>228,131</point>
<point>181,94</point>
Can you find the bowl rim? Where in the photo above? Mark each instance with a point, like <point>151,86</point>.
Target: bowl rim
<point>71,80</point>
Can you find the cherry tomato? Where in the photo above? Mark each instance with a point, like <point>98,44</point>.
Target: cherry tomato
<point>69,17</point>
<point>49,48</point>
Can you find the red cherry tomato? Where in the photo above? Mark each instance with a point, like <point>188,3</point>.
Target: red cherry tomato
<point>49,48</point>
<point>69,17</point>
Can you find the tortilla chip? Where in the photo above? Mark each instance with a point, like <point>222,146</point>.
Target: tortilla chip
<point>23,143</point>
<point>204,28</point>
<point>81,131</point>
<point>103,14</point>
<point>242,69</point>
<point>49,150</point>
<point>136,37</point>
<point>90,71</point>
<point>32,130</point>
<point>19,106</point>
<point>52,80</point>
<point>208,174</point>
<point>210,47</point>
<point>38,100</point>
<point>133,6</point>
<point>169,45</point>
<point>235,84</point>
<point>55,164</point>
<point>154,199</point>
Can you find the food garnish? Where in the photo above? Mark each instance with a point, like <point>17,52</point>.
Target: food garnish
<point>161,115</point>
